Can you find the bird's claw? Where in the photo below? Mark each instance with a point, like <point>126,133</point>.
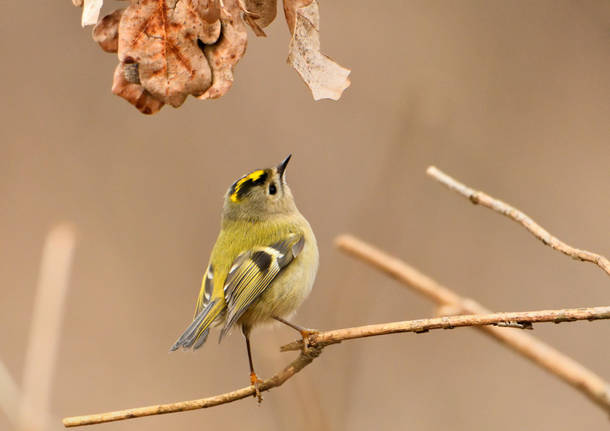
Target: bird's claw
<point>306,333</point>
<point>255,381</point>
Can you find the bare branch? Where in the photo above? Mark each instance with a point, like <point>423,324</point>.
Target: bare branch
<point>450,322</point>
<point>317,341</point>
<point>537,351</point>
<point>304,359</point>
<point>481,198</point>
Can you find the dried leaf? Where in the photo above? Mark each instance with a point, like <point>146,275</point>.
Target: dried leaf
<point>290,11</point>
<point>210,10</point>
<point>225,54</point>
<point>91,12</point>
<point>133,92</point>
<point>106,31</point>
<point>251,18</point>
<point>325,78</point>
<point>131,71</point>
<point>257,29</point>
<point>169,49</point>
<point>265,11</point>
<point>164,37</point>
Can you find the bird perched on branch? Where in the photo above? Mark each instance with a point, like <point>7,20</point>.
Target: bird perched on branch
<point>262,266</point>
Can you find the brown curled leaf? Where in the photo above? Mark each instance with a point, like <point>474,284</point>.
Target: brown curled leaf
<point>209,10</point>
<point>164,38</point>
<point>325,78</point>
<point>265,10</point>
<point>290,11</point>
<point>257,29</point>
<point>106,31</point>
<point>225,54</point>
<point>131,71</point>
<point>169,49</point>
<point>134,93</point>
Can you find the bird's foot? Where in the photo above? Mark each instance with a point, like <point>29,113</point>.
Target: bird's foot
<point>255,381</point>
<point>306,333</point>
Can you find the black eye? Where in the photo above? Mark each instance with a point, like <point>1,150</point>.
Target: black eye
<point>272,189</point>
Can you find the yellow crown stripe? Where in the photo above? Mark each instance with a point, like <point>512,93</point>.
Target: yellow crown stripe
<point>253,176</point>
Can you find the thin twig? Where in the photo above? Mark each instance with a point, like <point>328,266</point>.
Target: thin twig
<point>9,395</point>
<point>481,198</point>
<point>46,324</point>
<point>450,322</point>
<point>317,341</point>
<point>537,351</point>
<point>304,359</point>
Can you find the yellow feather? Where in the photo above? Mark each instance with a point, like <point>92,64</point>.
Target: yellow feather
<point>252,176</point>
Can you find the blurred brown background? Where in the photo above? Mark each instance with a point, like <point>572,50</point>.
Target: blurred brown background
<point>509,97</point>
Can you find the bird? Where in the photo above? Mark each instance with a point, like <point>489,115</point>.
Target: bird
<point>262,266</point>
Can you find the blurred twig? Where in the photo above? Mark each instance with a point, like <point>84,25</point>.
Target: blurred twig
<point>45,330</point>
<point>537,351</point>
<point>481,198</point>
<point>9,395</point>
<point>317,341</point>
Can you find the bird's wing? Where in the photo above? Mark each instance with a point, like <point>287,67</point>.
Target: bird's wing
<point>205,293</point>
<point>253,271</point>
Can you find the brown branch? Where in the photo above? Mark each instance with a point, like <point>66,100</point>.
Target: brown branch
<point>481,198</point>
<point>304,359</point>
<point>317,341</point>
<point>450,322</point>
<point>555,362</point>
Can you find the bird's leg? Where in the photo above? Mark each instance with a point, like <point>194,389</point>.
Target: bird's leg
<point>254,380</point>
<point>305,332</point>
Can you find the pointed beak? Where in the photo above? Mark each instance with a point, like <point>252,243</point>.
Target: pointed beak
<point>282,166</point>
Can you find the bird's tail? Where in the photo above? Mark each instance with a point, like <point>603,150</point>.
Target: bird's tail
<point>197,332</point>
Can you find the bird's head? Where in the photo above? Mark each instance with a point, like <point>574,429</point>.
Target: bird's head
<point>261,193</point>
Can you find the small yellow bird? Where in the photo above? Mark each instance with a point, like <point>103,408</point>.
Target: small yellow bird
<point>262,266</point>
